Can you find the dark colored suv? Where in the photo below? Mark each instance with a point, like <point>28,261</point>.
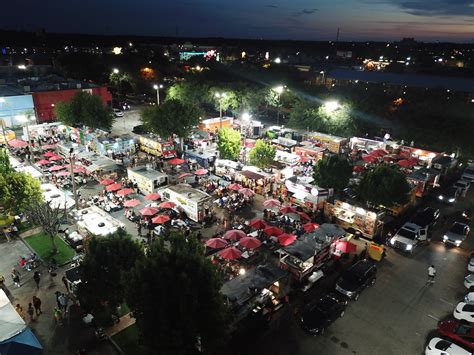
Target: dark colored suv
<point>355,279</point>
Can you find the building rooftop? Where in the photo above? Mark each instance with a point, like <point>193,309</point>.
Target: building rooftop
<point>189,192</point>
<point>149,173</point>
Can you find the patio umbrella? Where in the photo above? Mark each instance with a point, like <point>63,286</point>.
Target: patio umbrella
<point>378,153</point>
<point>216,243</point>
<point>162,218</point>
<point>182,176</point>
<point>286,239</point>
<point>303,159</point>
<point>304,216</point>
<point>272,231</point>
<point>234,234</point>
<point>309,227</point>
<point>230,253</point>
<point>106,182</point>
<point>43,162</point>
<point>234,187</point>
<point>388,159</point>
<point>79,169</point>
<point>48,146</point>
<point>369,159</point>
<point>17,143</point>
<point>250,242</point>
<point>49,154</point>
<point>271,203</point>
<point>406,163</point>
<point>125,192</point>
<point>152,197</point>
<point>167,204</point>
<point>346,247</point>
<point>55,158</point>
<point>258,223</point>
<point>148,211</point>
<point>246,192</point>
<point>288,209</point>
<point>201,172</point>
<point>56,168</point>
<point>358,168</point>
<point>131,203</point>
<point>176,161</point>
<point>63,173</point>
<point>114,187</point>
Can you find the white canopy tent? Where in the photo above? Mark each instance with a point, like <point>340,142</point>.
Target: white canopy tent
<point>11,323</point>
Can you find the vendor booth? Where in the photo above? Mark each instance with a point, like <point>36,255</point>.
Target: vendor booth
<point>147,179</point>
<point>57,198</point>
<point>192,201</point>
<point>311,152</point>
<point>226,168</point>
<point>365,144</point>
<point>43,130</point>
<point>108,146</point>
<point>93,221</point>
<point>154,145</point>
<point>354,218</point>
<point>103,167</point>
<point>204,158</point>
<point>424,179</point>
<point>214,124</point>
<point>332,143</point>
<point>286,157</point>
<point>284,144</point>
<point>255,179</point>
<point>305,193</point>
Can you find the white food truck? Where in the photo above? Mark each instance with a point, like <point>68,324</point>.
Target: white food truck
<point>192,201</point>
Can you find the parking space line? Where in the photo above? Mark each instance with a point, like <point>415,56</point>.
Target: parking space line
<point>433,317</point>
<point>443,300</point>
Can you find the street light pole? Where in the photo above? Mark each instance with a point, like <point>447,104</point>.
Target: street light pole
<point>220,96</point>
<point>157,88</point>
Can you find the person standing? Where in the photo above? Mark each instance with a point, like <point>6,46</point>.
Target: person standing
<point>63,301</point>
<point>19,310</point>
<point>431,274</point>
<point>37,305</point>
<point>37,279</point>
<point>16,277</point>
<point>31,312</point>
<point>64,280</point>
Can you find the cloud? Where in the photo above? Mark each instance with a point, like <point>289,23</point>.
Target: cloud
<point>305,12</point>
<point>272,6</point>
<point>431,7</point>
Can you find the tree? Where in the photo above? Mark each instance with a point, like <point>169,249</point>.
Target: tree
<point>174,295</point>
<point>85,109</point>
<point>385,186</point>
<point>189,92</point>
<point>172,118</point>
<point>262,154</point>
<point>103,268</point>
<point>48,218</point>
<point>120,79</point>
<point>229,143</point>
<point>18,191</point>
<point>5,166</point>
<point>332,171</point>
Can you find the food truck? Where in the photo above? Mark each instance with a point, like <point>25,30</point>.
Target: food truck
<point>214,124</point>
<point>107,146</point>
<point>311,152</point>
<point>192,201</point>
<point>147,179</point>
<point>226,168</point>
<point>201,157</point>
<point>286,157</point>
<point>305,193</point>
<point>332,143</point>
<point>285,144</point>
<point>156,146</point>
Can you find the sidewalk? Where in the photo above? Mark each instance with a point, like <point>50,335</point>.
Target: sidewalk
<point>125,322</point>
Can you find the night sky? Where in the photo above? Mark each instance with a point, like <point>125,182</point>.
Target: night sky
<point>451,20</point>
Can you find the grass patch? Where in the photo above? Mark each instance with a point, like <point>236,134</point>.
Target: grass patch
<point>129,341</point>
<point>41,244</point>
<point>24,226</point>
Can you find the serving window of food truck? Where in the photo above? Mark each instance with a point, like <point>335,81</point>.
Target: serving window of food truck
<point>147,179</point>
<point>155,146</point>
<point>310,152</point>
<point>332,143</point>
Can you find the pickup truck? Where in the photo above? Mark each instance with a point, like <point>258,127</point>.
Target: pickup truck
<point>413,233</point>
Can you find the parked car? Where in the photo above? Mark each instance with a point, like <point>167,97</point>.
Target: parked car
<point>427,217</point>
<point>464,311</point>
<point>355,279</point>
<point>456,234</point>
<point>140,129</point>
<point>438,346</point>
<point>461,333</point>
<point>468,174</point>
<point>463,186</point>
<point>469,298</point>
<point>409,236</point>
<point>450,195</point>
<point>469,281</point>
<point>318,316</point>
<point>470,265</point>
<point>118,113</point>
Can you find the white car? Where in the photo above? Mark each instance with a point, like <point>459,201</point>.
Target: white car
<point>470,266</point>
<point>456,234</point>
<point>118,113</point>
<point>469,298</point>
<point>469,281</point>
<point>464,311</point>
<point>438,346</point>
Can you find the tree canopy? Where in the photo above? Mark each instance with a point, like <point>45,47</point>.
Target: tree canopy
<point>5,166</point>
<point>332,171</point>
<point>18,191</point>
<point>85,109</point>
<point>385,186</point>
<point>262,154</point>
<point>229,143</point>
<point>174,294</point>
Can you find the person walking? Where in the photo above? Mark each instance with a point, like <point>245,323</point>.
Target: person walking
<point>37,279</point>
<point>37,305</point>
<point>16,277</point>
<point>63,301</point>
<point>31,312</point>
<point>431,274</point>
<point>64,279</point>
<point>19,310</point>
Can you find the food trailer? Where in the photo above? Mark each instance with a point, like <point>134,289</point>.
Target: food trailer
<point>226,168</point>
<point>204,158</point>
<point>255,178</point>
<point>154,145</point>
<point>332,143</point>
<point>214,124</point>
<point>107,146</point>
<point>286,157</point>
<point>284,144</point>
<point>192,201</point>
<point>311,152</point>
<point>147,179</point>
<point>306,194</point>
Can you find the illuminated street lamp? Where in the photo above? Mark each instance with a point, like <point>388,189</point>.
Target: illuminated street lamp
<point>220,96</point>
<point>322,73</point>
<point>157,88</point>
<point>331,106</point>
<point>115,71</point>
<point>279,90</point>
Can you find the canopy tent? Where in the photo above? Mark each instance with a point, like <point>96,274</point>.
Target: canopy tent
<point>24,343</point>
<point>11,323</point>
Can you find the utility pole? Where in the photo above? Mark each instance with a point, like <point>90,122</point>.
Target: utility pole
<point>71,170</point>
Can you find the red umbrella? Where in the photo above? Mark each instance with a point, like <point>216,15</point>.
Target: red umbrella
<point>152,197</point>
<point>379,153</point>
<point>182,176</point>
<point>235,187</point>
<point>286,239</point>
<point>369,159</point>
<point>250,242</point>
<point>79,170</point>
<point>114,187</point>
<point>106,182</point>
<point>258,224</point>
<point>304,215</point>
<point>346,247</point>
<point>55,158</point>
<point>406,163</point>
<point>216,243</point>
<point>201,172</point>
<point>49,154</point>
<point>148,211</point>
<point>303,159</point>
<point>176,161</point>
<point>288,209</point>
<point>63,173</point>
<point>167,204</point>
<point>309,227</point>
<point>42,162</point>
<point>272,231</point>
<point>234,234</point>
<point>162,218</point>
<point>358,168</point>
<point>272,203</point>
<point>57,168</point>
<point>131,203</point>
<point>246,192</point>
<point>125,192</point>
<point>388,158</point>
<point>230,253</point>
<point>17,143</point>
